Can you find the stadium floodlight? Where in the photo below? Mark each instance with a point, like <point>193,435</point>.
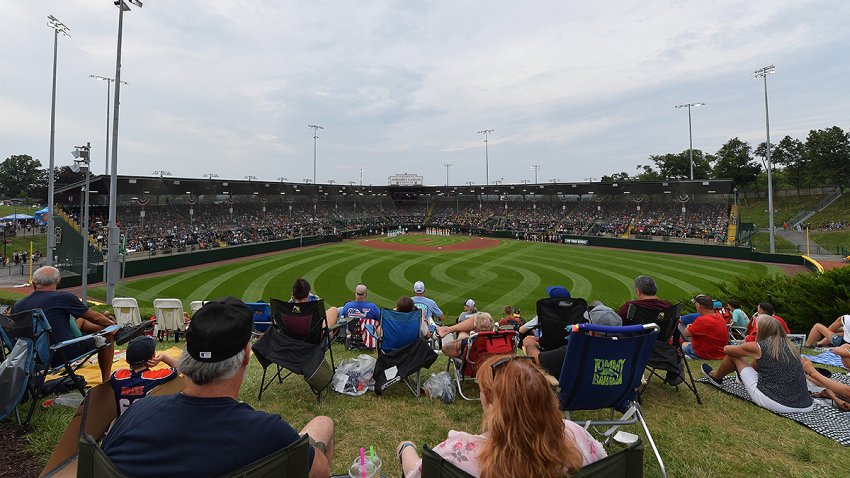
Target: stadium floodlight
<point>250,177</point>
<point>316,129</point>
<point>762,73</point>
<point>536,169</point>
<point>447,166</point>
<point>109,82</point>
<point>58,27</point>
<point>306,180</point>
<point>486,133</point>
<point>162,173</point>
<point>112,266</point>
<point>331,181</point>
<point>352,183</point>
<point>211,176</point>
<point>555,180</point>
<point>282,179</point>
<point>690,133</point>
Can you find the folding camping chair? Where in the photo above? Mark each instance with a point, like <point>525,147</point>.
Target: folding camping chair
<point>296,341</point>
<point>196,305</point>
<point>169,317</point>
<point>126,311</point>
<point>667,355</point>
<point>401,351</point>
<point>479,346</point>
<point>554,315</point>
<point>626,463</point>
<point>605,372</point>
<point>262,317</point>
<point>49,356</point>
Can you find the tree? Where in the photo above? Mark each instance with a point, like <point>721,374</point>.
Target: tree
<point>20,174</point>
<point>789,154</point>
<point>678,166</point>
<point>616,177</point>
<point>647,173</point>
<point>65,175</point>
<point>828,152</point>
<point>735,161</point>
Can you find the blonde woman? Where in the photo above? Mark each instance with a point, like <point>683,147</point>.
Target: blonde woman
<point>480,322</point>
<point>522,432</point>
<point>775,378</point>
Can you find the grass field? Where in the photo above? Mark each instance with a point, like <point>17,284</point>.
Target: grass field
<point>761,242</point>
<point>755,209</point>
<point>514,273</point>
<point>725,437</point>
<point>834,241</point>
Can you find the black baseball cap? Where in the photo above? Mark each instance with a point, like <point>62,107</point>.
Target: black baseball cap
<point>219,330</point>
<point>140,350</point>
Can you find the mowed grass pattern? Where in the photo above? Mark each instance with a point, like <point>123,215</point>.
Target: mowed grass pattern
<point>514,272</point>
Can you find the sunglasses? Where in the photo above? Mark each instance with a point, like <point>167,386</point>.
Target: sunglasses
<point>502,361</point>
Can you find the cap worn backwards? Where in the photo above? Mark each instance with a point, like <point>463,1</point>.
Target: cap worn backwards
<point>219,330</point>
<point>419,287</point>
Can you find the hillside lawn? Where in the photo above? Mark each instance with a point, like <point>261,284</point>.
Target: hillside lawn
<point>784,208</point>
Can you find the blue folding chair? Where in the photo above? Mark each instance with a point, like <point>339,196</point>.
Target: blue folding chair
<point>401,351</point>
<point>604,370</point>
<point>49,355</point>
<point>262,312</point>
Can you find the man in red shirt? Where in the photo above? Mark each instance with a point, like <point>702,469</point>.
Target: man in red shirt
<point>767,309</point>
<point>646,291</point>
<point>707,333</point>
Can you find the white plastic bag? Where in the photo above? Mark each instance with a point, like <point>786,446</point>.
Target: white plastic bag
<point>440,385</point>
<point>354,376</point>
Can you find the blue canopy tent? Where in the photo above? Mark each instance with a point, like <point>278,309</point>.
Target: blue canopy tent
<point>41,217</point>
<point>16,217</point>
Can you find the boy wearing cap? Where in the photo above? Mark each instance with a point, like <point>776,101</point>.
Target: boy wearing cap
<point>468,311</point>
<point>553,360</point>
<point>707,334</point>
<point>432,310</point>
<point>209,432</point>
<point>134,383</point>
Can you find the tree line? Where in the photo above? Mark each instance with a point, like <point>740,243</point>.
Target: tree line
<point>822,160</point>
<point>23,177</point>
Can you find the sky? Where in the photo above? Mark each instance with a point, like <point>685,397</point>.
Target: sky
<point>583,89</point>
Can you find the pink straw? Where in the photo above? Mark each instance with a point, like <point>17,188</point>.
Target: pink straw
<point>362,462</point>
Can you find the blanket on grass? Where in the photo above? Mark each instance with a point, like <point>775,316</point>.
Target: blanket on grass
<point>826,358</point>
<point>825,420</point>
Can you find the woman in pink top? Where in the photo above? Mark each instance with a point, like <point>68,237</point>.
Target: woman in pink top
<point>523,432</point>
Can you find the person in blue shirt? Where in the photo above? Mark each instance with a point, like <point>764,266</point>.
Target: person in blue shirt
<point>358,312</point>
<point>431,309</point>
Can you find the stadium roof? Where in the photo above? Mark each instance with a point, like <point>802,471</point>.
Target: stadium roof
<point>139,186</point>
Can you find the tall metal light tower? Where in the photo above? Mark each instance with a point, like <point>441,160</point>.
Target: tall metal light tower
<point>109,82</point>
<point>58,27</point>
<point>536,169</point>
<point>690,133</point>
<point>316,129</point>
<point>762,73</point>
<point>486,133</point>
<point>447,166</point>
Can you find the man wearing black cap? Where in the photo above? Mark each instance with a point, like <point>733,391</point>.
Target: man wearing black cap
<point>209,433</point>
<point>134,383</point>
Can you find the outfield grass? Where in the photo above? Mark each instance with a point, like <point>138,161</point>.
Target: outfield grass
<point>514,273</point>
<point>725,437</point>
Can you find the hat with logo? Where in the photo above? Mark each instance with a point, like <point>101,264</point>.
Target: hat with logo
<point>360,290</point>
<point>603,315</point>
<point>558,292</point>
<point>469,303</point>
<point>140,350</point>
<point>419,287</point>
<point>219,330</point>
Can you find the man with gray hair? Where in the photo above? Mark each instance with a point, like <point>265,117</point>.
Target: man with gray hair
<point>59,307</point>
<point>207,430</point>
<point>646,291</point>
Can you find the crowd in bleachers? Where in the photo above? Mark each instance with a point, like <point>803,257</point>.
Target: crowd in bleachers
<point>172,227</point>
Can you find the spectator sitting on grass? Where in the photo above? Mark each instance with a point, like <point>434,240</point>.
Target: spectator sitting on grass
<point>204,431</point>
<point>518,421</point>
<point>468,311</point>
<point>739,318</point>
<point>301,293</point>
<point>134,383</point>
<point>647,298</point>
<point>480,322</point>
<point>707,334</point>
<point>767,309</point>
<point>775,379</point>
<point>511,317</point>
<point>432,311</point>
<point>838,392</point>
<point>836,335</point>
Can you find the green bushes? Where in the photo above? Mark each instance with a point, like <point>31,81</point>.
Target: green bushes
<point>801,300</point>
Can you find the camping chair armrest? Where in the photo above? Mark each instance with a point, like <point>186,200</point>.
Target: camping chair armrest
<point>65,343</point>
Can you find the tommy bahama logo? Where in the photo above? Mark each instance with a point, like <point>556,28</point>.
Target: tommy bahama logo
<point>608,372</point>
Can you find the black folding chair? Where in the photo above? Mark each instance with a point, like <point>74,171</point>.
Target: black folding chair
<point>296,341</point>
<point>554,315</point>
<point>667,355</point>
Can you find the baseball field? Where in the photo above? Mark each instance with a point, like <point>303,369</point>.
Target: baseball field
<point>493,272</point>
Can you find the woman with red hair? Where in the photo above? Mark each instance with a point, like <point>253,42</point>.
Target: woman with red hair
<point>523,432</point>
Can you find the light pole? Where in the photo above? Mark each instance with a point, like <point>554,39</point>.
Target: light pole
<point>486,133</point>
<point>762,73</point>
<point>282,179</point>
<point>250,177</point>
<point>690,133</point>
<point>58,27</point>
<point>536,169</point>
<point>112,264</point>
<point>162,173</point>
<point>316,129</point>
<point>361,176</point>
<point>109,82</point>
<point>82,156</point>
<point>211,176</point>
<point>447,166</point>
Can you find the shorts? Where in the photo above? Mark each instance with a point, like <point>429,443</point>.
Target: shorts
<point>750,379</point>
<point>837,340</point>
<point>688,349</point>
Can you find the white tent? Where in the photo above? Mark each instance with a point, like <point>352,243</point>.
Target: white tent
<point>16,217</point>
